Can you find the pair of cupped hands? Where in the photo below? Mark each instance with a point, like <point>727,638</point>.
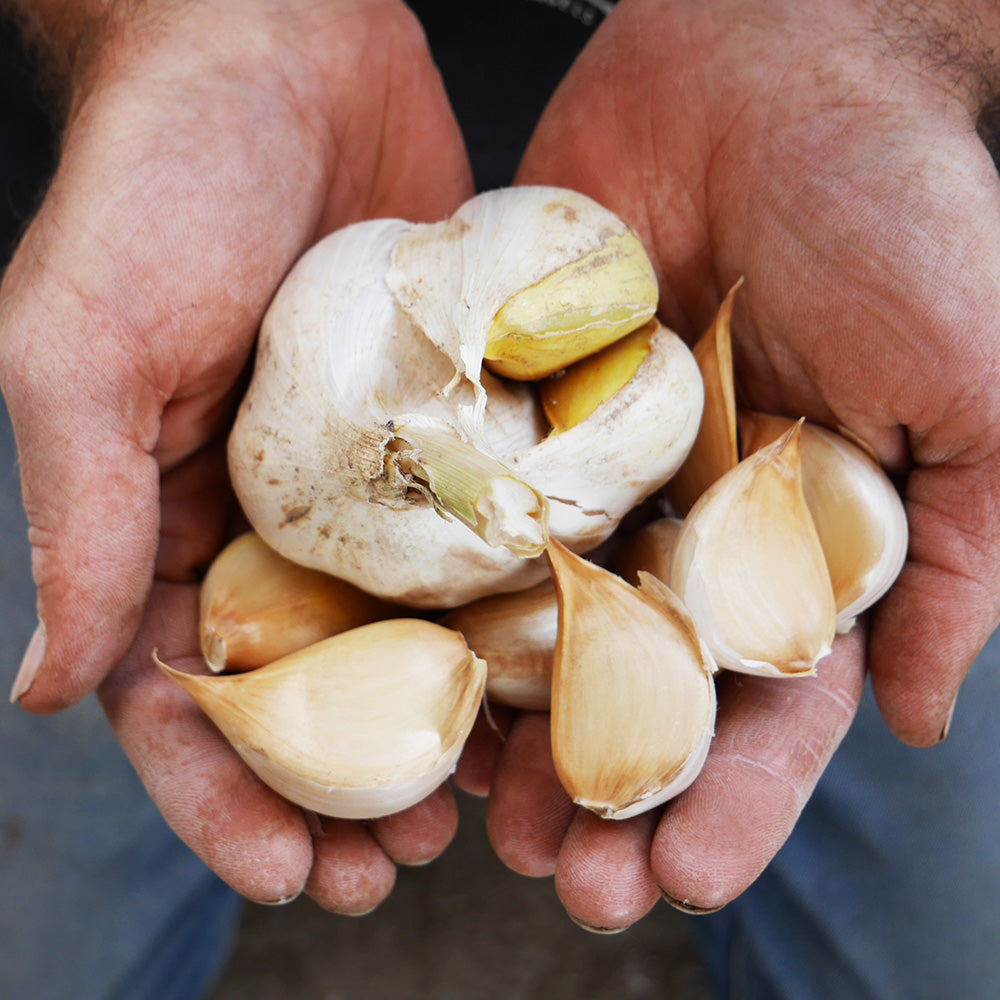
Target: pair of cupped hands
<point>826,151</point>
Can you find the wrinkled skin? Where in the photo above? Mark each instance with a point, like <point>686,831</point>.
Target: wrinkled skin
<point>206,148</point>
<point>827,152</point>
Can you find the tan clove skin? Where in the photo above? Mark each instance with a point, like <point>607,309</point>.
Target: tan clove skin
<point>257,606</point>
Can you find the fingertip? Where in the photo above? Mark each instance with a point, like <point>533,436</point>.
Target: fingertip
<point>418,835</point>
<point>603,876</point>
<point>351,874</point>
<point>528,812</point>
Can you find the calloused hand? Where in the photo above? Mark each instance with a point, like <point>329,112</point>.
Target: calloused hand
<point>207,145</point>
<point>828,153</point>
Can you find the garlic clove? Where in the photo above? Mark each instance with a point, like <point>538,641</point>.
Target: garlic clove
<point>570,396</point>
<point>578,309</point>
<point>256,606</point>
<point>516,635</point>
<point>363,724</point>
<point>530,277</point>
<point>749,566</point>
<point>715,449</point>
<point>595,472</point>
<point>649,550</point>
<point>633,698</point>
<point>858,512</point>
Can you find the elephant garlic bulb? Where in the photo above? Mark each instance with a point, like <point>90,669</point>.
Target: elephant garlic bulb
<point>360,725</point>
<point>374,445</point>
<point>633,696</point>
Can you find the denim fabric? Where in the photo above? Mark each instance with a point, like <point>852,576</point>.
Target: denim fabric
<point>99,900</point>
<point>888,887</point>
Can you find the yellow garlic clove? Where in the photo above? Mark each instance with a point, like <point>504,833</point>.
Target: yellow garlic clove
<point>516,635</point>
<point>715,449</point>
<point>597,471</point>
<point>572,395</point>
<point>749,566</point>
<point>578,309</point>
<point>649,550</point>
<point>363,724</point>
<point>858,513</point>
<point>633,698</point>
<point>256,606</point>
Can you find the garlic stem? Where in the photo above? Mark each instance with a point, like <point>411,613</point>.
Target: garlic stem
<point>479,490</point>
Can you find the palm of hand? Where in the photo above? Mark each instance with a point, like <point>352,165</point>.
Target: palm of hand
<point>829,160</point>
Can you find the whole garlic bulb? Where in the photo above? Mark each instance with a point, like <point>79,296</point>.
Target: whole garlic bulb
<point>370,414</point>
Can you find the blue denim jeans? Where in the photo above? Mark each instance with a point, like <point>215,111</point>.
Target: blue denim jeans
<point>99,900</point>
<point>888,887</point>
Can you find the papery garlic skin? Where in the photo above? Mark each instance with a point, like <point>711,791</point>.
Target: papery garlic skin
<point>649,550</point>
<point>255,606</point>
<point>749,566</point>
<point>361,725</point>
<point>516,635</point>
<point>341,455</point>
<point>857,510</point>
<point>595,472</point>
<point>633,696</point>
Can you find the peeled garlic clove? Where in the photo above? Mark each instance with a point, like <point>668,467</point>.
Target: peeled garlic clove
<point>573,394</point>
<point>649,550</point>
<point>633,699</point>
<point>256,606</point>
<point>360,725</point>
<point>516,635</point>
<point>749,566</point>
<point>858,513</point>
<point>715,449</point>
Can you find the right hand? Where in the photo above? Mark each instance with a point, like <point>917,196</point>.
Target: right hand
<point>207,146</point>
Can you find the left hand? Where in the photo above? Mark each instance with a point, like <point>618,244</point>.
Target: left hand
<point>829,154</point>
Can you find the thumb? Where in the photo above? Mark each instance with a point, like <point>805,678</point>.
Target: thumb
<point>90,488</point>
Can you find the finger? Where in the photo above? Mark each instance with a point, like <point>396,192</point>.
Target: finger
<point>603,876</point>
<point>528,812</point>
<point>945,604</point>
<point>773,741</point>
<point>419,834</point>
<point>351,874</point>
<point>248,835</point>
<point>477,765</point>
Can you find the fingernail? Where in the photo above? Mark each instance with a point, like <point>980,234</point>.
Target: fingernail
<point>30,663</point>
<point>283,901</point>
<point>594,929</point>
<point>685,907</point>
<point>946,728</point>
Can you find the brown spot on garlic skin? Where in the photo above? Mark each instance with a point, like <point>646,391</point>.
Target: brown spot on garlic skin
<point>294,514</point>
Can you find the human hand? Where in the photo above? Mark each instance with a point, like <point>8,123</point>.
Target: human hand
<point>207,145</point>
<point>829,154</point>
